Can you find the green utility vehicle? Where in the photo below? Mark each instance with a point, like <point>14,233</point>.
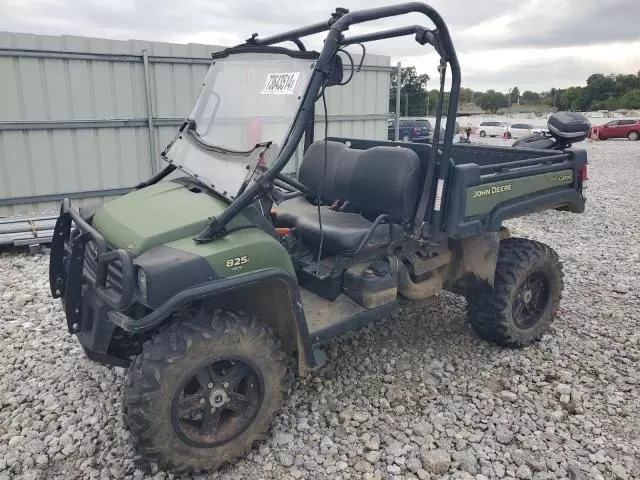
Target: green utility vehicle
<point>209,278</point>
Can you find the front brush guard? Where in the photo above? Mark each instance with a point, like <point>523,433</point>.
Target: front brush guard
<point>66,267</point>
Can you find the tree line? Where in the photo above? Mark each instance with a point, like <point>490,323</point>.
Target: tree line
<point>602,92</point>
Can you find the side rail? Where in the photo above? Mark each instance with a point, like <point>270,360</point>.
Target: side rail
<point>481,197</point>
<point>67,273</point>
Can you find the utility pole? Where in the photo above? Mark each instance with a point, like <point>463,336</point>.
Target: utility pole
<point>398,91</point>
<point>427,103</point>
<point>406,105</point>
<point>555,94</point>
<point>425,85</point>
<point>510,100</point>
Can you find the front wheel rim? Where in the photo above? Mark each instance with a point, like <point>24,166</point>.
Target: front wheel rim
<point>217,401</point>
<point>531,299</point>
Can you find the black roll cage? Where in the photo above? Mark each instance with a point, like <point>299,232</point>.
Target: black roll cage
<point>302,123</point>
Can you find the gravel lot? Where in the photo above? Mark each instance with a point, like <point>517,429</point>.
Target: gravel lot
<point>419,396</point>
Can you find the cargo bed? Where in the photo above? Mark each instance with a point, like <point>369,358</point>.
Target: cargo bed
<point>485,185</point>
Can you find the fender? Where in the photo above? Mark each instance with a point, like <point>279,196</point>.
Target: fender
<point>290,319</point>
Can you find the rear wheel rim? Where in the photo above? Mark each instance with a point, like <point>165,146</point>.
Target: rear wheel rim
<point>217,401</point>
<point>531,300</point>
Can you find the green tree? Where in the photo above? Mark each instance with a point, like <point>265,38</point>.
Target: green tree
<point>600,87</point>
<point>576,98</point>
<point>491,100</point>
<point>625,83</point>
<point>608,104</point>
<point>631,99</point>
<point>466,95</point>
<point>601,92</point>
<point>413,92</point>
<point>515,93</point>
<point>530,98</point>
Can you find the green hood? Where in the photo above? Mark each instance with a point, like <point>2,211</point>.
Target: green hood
<point>155,215</point>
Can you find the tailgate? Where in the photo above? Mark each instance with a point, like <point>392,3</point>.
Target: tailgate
<point>481,197</point>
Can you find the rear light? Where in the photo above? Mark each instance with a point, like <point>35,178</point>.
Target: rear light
<point>414,130</point>
<point>583,179</point>
<point>583,173</point>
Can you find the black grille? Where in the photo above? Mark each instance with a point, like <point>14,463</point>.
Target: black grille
<point>114,272</point>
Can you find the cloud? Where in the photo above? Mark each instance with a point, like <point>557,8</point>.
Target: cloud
<point>536,42</point>
<point>559,72</point>
<point>567,23</point>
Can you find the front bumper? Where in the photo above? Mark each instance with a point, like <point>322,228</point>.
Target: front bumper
<point>89,292</point>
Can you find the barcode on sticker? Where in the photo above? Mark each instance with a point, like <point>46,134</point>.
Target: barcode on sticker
<point>439,189</point>
<point>280,83</point>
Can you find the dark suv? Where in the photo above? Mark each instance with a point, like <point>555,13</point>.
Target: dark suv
<point>411,130</point>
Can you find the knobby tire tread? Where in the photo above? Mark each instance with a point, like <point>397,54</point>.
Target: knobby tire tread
<point>490,313</point>
<point>143,395</point>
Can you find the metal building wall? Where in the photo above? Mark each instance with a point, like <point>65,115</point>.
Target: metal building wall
<point>76,113</point>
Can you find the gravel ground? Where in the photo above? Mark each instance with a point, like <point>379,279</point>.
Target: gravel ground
<point>419,396</point>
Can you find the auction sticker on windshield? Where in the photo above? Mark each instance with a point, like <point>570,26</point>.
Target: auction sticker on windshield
<point>280,83</point>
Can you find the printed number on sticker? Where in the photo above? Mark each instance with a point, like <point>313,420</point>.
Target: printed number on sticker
<point>237,261</point>
<point>280,83</point>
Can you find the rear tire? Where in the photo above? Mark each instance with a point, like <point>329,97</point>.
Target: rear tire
<point>204,390</point>
<point>633,136</point>
<point>483,133</point>
<point>527,292</point>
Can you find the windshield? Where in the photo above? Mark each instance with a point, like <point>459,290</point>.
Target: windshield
<point>241,116</point>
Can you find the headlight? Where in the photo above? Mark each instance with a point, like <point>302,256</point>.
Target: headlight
<point>142,283</point>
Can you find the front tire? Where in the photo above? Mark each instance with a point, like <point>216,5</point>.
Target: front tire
<point>633,136</point>
<point>483,133</point>
<point>527,291</point>
<point>204,390</point>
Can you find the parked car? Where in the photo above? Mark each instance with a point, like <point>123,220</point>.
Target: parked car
<point>442,129</point>
<point>492,128</point>
<point>519,130</point>
<point>541,131</point>
<point>629,128</point>
<point>411,130</point>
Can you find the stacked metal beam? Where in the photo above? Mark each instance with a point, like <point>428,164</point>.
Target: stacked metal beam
<point>27,230</point>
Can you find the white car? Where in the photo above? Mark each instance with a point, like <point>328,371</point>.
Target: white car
<point>519,130</point>
<point>492,128</point>
<point>541,131</point>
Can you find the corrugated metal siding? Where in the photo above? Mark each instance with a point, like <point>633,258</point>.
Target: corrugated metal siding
<point>62,159</point>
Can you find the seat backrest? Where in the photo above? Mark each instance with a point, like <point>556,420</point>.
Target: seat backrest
<point>378,180</point>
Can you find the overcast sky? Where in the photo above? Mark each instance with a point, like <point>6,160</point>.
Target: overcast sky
<point>532,44</point>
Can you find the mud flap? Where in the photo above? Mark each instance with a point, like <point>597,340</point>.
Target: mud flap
<point>475,261</point>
